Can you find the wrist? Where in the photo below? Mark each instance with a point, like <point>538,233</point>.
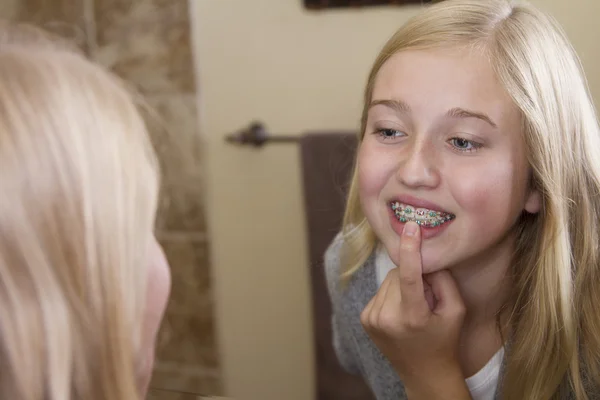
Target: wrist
<point>449,384</point>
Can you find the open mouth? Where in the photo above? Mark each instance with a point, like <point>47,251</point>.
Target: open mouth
<point>422,216</point>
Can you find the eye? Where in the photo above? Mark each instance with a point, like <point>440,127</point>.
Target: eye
<point>387,134</point>
<point>464,145</point>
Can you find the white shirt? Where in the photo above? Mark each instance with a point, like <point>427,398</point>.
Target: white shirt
<point>483,384</point>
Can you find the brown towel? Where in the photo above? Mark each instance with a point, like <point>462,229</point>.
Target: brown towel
<point>327,161</point>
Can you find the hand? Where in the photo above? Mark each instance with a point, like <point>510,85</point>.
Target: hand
<point>415,322</point>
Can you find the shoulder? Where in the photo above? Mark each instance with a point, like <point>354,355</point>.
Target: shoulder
<point>332,262</point>
<point>332,258</point>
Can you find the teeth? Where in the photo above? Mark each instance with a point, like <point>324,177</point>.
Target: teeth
<point>422,216</point>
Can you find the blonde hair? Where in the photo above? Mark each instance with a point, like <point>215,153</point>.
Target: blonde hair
<point>555,305</point>
<point>79,183</point>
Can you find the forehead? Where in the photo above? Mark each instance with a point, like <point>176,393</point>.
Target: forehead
<point>436,80</point>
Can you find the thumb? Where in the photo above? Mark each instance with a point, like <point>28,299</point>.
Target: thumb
<point>448,300</point>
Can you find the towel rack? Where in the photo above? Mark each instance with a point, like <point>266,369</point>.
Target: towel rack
<point>256,135</point>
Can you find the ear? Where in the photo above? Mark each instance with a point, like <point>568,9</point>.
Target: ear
<point>533,202</point>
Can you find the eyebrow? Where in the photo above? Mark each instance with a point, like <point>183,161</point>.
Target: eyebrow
<point>396,105</point>
<point>462,113</point>
<point>457,112</point>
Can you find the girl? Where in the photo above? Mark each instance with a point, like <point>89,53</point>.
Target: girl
<point>468,262</point>
<point>83,282</point>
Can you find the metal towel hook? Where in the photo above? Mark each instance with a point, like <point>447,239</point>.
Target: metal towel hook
<point>256,135</point>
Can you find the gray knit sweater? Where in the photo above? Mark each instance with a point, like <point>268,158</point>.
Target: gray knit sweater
<point>355,350</point>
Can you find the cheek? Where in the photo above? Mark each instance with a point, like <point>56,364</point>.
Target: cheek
<point>157,295</point>
<point>159,283</point>
<point>491,196</point>
<point>373,172</point>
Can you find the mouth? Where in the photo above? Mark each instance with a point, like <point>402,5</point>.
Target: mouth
<point>423,216</point>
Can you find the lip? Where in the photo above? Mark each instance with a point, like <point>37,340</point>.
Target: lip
<point>426,232</point>
<point>416,202</point>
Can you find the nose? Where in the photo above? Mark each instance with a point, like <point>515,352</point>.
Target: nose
<point>418,167</point>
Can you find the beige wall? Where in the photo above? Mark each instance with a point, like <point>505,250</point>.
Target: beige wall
<point>271,60</point>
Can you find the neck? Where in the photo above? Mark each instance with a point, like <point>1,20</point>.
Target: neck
<point>483,290</point>
<point>484,283</point>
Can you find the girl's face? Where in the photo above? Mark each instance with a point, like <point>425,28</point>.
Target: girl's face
<point>443,142</point>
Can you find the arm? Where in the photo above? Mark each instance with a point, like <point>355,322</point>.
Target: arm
<point>342,352</point>
<point>332,275</point>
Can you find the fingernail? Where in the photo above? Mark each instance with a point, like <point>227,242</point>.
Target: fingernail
<point>410,228</point>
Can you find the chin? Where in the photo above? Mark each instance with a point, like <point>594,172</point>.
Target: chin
<point>433,263</point>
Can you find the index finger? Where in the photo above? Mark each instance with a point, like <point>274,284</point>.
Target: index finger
<point>410,271</point>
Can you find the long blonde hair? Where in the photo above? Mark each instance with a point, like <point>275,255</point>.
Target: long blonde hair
<point>79,183</point>
<point>555,304</point>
